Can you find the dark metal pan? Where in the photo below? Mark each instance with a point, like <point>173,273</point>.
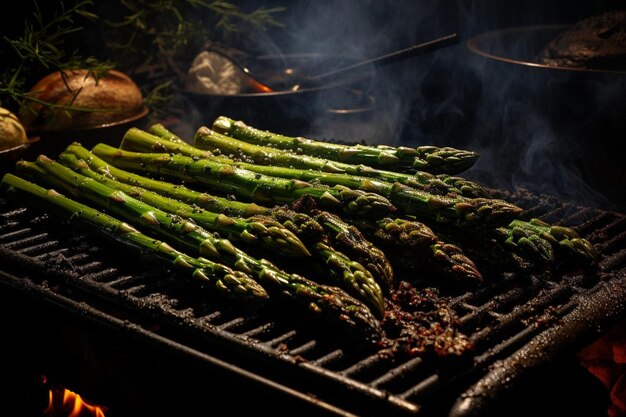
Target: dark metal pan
<point>287,110</point>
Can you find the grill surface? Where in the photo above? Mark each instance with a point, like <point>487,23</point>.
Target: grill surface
<point>518,326</point>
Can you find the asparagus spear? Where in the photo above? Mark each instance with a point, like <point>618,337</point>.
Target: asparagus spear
<point>303,226</point>
<point>247,184</point>
<point>264,231</point>
<point>411,201</point>
<point>352,241</point>
<point>415,247</point>
<point>217,277</point>
<point>158,129</point>
<point>352,276</point>
<point>217,143</point>
<point>546,242</point>
<point>165,141</point>
<point>424,158</point>
<point>327,302</point>
<point>175,191</point>
<point>377,267</point>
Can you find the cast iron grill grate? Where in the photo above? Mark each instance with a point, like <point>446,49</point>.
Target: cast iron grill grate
<point>500,319</point>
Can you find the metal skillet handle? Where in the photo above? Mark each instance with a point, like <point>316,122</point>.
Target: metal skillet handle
<point>386,59</point>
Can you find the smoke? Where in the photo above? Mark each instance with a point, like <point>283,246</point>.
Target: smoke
<point>551,131</point>
<point>532,129</point>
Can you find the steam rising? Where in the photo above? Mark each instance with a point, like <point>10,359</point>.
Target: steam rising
<point>530,127</point>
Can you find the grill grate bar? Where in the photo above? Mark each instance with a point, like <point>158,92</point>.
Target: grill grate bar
<point>14,212</point>
<point>499,318</point>
<point>614,227</point>
<point>231,323</point>
<point>123,282</point>
<point>208,318</point>
<point>282,338</point>
<point>425,385</point>
<point>506,322</point>
<point>304,348</point>
<point>478,313</point>
<point>398,371</point>
<point>361,365</point>
<point>45,247</point>
<point>259,330</point>
<point>106,275</point>
<point>23,242</point>
<point>51,254</point>
<point>90,267</point>
<point>329,358</point>
<point>79,258</point>
<point>615,261</point>
<point>615,243</point>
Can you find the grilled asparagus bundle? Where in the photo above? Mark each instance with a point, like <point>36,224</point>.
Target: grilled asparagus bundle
<point>263,231</point>
<point>330,303</point>
<point>212,142</point>
<point>303,226</point>
<point>217,276</point>
<point>455,209</point>
<point>349,208</point>
<point>525,244</point>
<point>229,178</point>
<point>425,158</point>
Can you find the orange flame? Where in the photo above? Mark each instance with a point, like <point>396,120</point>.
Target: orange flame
<point>63,402</point>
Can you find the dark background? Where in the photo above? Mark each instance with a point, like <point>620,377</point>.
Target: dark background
<point>447,98</point>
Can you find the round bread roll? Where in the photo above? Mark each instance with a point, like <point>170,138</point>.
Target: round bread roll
<point>111,98</point>
<point>12,132</point>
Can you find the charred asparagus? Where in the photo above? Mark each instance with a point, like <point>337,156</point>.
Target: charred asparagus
<point>441,184</point>
<point>546,242</point>
<point>328,302</point>
<point>264,231</point>
<point>302,225</point>
<point>350,275</point>
<point>424,158</point>
<point>415,247</point>
<point>247,184</point>
<point>208,142</point>
<point>457,210</point>
<point>218,277</point>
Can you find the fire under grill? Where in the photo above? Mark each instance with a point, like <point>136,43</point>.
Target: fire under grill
<point>144,342</point>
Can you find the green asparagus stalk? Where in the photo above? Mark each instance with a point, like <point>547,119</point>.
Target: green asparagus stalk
<point>432,159</point>
<point>416,247</point>
<point>247,184</point>
<point>350,275</point>
<point>303,226</point>
<point>373,268</point>
<point>327,302</point>
<point>218,277</point>
<point>158,129</point>
<point>546,242</point>
<point>264,231</point>
<point>409,200</point>
<point>213,143</point>
<point>175,191</point>
<point>217,143</point>
<point>351,241</point>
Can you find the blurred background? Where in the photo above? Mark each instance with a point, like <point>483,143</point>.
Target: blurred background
<point>532,131</point>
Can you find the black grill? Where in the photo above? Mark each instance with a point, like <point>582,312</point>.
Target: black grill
<point>161,340</point>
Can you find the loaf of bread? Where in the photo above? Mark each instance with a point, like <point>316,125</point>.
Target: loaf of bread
<point>92,102</point>
<point>598,42</point>
<point>12,132</point>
